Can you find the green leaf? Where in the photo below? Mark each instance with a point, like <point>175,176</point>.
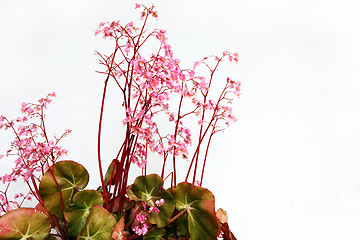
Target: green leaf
<point>166,210</point>
<point>77,213</point>
<point>99,225</point>
<point>199,204</point>
<point>111,172</point>
<point>155,234</point>
<point>130,194</point>
<point>24,223</point>
<point>182,226</point>
<point>147,187</point>
<point>63,179</point>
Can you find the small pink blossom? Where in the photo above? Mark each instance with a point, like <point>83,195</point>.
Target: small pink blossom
<point>159,202</point>
<point>8,208</point>
<point>154,209</point>
<point>127,47</point>
<point>171,117</point>
<point>97,31</point>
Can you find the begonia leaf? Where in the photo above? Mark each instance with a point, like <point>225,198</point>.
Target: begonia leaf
<point>60,183</point>
<point>24,223</point>
<point>40,207</point>
<point>77,213</point>
<point>199,204</point>
<point>221,214</point>
<point>155,234</point>
<point>118,232</point>
<point>130,194</point>
<point>147,187</point>
<point>111,172</point>
<point>182,226</point>
<point>165,211</point>
<point>99,225</point>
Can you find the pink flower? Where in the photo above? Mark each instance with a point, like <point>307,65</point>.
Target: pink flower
<point>232,118</point>
<point>159,202</point>
<point>172,117</point>
<point>236,57</point>
<point>107,32</point>
<point>127,47</point>
<point>140,217</point>
<point>154,209</point>
<point>8,208</point>
<point>97,31</point>
<point>144,229</point>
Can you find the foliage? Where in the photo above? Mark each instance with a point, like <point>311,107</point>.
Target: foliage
<point>153,87</point>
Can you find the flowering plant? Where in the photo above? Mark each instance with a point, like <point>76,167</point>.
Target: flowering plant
<point>160,102</point>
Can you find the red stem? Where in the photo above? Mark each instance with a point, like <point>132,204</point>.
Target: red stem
<point>105,196</point>
<point>206,153</point>
<point>175,136</point>
<point>62,201</point>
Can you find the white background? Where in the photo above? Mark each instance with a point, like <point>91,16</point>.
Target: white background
<point>288,169</point>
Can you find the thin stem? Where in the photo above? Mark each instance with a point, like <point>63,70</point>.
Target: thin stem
<point>61,200</point>
<point>176,216</point>
<point>206,153</point>
<point>175,136</point>
<point>105,196</point>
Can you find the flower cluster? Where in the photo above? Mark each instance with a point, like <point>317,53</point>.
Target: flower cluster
<point>151,85</point>
<point>141,227</point>
<point>32,148</point>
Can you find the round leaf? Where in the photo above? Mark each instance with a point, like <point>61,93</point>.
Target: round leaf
<point>147,187</point>
<point>99,225</point>
<point>166,210</point>
<point>77,213</point>
<point>200,207</point>
<point>24,223</point>
<point>61,180</point>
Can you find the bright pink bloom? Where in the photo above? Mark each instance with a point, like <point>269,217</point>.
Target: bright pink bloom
<point>159,202</point>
